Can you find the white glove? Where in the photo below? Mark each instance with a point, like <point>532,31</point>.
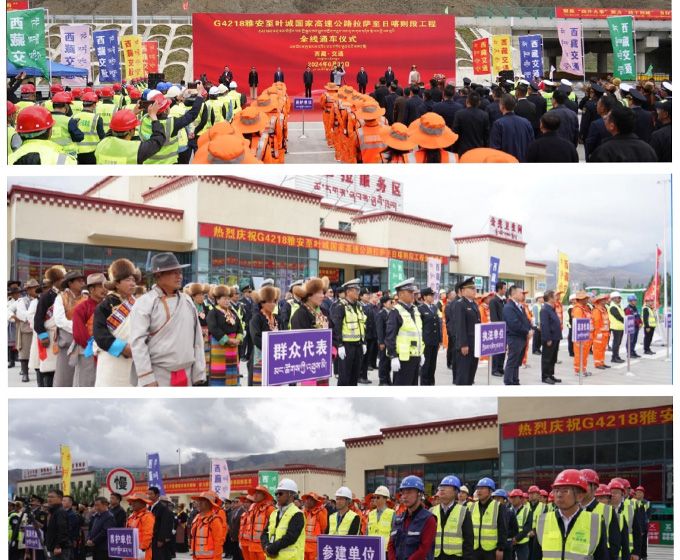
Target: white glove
<point>396,364</point>
<point>422,360</point>
<point>342,353</point>
<point>364,348</point>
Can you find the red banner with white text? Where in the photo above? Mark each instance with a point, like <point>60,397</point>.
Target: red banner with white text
<point>291,41</point>
<point>602,13</point>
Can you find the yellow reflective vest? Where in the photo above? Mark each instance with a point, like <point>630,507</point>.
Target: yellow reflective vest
<point>49,152</point>
<point>449,539</point>
<point>580,543</point>
<point>354,323</point>
<point>410,336</point>
<point>380,527</point>
<point>485,527</point>
<point>614,323</point>
<point>276,531</point>
<point>345,524</point>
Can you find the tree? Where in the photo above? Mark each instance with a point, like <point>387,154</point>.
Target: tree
<point>613,282</point>
<point>629,285</point>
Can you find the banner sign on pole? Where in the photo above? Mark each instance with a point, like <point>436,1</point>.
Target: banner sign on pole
<point>501,53</point>
<point>66,467</point>
<point>490,338</point>
<point>12,5</point>
<point>434,275</point>
<point>153,463</point>
<point>296,356</point>
<point>150,50</point>
<point>75,51</point>
<point>601,13</point>
<point>570,34</point>
<point>531,56</point>
<point>133,56</point>
<point>268,479</point>
<point>123,543</point>
<point>303,103</point>
<point>494,267</point>
<point>26,40</point>
<point>481,59</point>
<point>580,330</point>
<point>562,273</point>
<point>108,55</point>
<point>629,325</point>
<point>220,480</point>
<point>623,45</point>
<point>343,547</point>
<point>33,538</point>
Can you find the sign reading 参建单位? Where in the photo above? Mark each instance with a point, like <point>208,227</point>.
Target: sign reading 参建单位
<point>490,339</point>
<point>296,356</point>
<point>355,547</point>
<point>123,543</point>
<point>368,192</point>
<point>501,227</point>
<point>589,422</point>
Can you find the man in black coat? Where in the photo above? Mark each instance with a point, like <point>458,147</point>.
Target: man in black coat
<point>381,92</point>
<point>362,80</point>
<point>624,146</point>
<point>253,81</point>
<point>371,336</point>
<point>278,75</point>
<point>590,114</point>
<point>386,303</point>
<point>518,328</point>
<point>389,104</point>
<point>549,147</point>
<point>436,92</point>
<point>568,128</point>
<point>465,317</point>
<point>432,335</point>
<point>308,79</point>
<point>248,306</point>
<point>451,298</point>
<point>400,106</point>
<point>551,334</point>
<point>644,120</point>
<point>537,99</point>
<point>493,109</point>
<point>415,106</point>
<point>496,313</point>
<point>226,77</point>
<point>119,514</point>
<point>389,76</point>
<point>100,523</point>
<point>526,108</point>
<point>448,107</point>
<point>161,548</point>
<point>471,125</point>
<point>57,540</point>
<point>661,140</point>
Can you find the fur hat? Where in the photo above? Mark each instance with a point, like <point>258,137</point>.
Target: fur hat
<point>312,286</point>
<point>206,287</point>
<point>265,294</point>
<point>55,274</point>
<point>193,289</point>
<point>120,269</point>
<point>221,291</point>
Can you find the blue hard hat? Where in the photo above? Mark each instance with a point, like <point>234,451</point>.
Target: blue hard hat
<point>500,492</point>
<point>451,480</point>
<point>412,481</point>
<point>632,297</point>
<point>486,482</point>
<point>162,86</point>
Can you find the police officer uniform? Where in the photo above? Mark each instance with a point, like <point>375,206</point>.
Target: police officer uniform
<point>349,330</point>
<point>432,337</point>
<point>404,338</point>
<point>465,317</point>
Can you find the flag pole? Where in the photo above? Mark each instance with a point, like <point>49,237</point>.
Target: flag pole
<point>665,275</point>
<point>134,17</point>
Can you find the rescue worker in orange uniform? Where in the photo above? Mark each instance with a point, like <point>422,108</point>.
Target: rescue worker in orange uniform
<point>208,531</point>
<point>433,137</point>
<point>246,527</point>
<point>269,105</point>
<point>261,510</point>
<point>582,310</point>
<point>328,100</point>
<point>484,313</point>
<point>340,139</point>
<point>225,149</point>
<point>316,516</point>
<point>399,142</point>
<point>252,123</point>
<point>368,142</point>
<point>221,513</point>
<point>600,330</point>
<point>142,520</point>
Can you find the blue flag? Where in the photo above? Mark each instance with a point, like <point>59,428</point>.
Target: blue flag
<point>531,56</point>
<point>108,55</point>
<point>494,266</point>
<point>153,464</point>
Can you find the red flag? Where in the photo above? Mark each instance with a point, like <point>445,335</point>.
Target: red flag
<point>185,5</point>
<point>652,292</point>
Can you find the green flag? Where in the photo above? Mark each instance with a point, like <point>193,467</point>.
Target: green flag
<point>269,479</point>
<point>623,45</point>
<point>650,70</point>
<point>396,273</point>
<point>26,40</point>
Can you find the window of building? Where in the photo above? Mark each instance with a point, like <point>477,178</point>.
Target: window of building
<point>345,226</point>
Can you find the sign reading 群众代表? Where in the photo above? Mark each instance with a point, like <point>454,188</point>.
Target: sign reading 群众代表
<point>350,547</point>
<point>296,356</point>
<point>490,338</point>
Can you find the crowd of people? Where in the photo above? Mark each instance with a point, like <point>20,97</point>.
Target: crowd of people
<point>109,330</point>
<point>601,522</point>
<point>537,121</point>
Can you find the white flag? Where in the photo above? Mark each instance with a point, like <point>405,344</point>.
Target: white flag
<point>220,480</point>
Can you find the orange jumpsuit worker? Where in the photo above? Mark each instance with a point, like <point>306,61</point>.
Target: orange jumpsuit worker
<point>262,509</point>
<point>316,516</point>
<point>339,133</point>
<point>368,143</point>
<point>208,531</point>
<point>251,123</point>
<point>600,330</point>
<point>484,313</point>
<point>269,105</point>
<point>433,137</point>
<point>328,99</point>
<point>246,527</point>
<point>142,520</point>
<point>582,311</point>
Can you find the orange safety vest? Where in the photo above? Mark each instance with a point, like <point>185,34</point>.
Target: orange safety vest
<point>600,319</point>
<point>560,311</point>
<point>419,156</point>
<point>317,523</point>
<point>581,311</point>
<point>260,519</point>
<point>207,536</point>
<point>143,521</point>
<point>485,313</point>
<point>369,143</point>
<point>246,526</point>
<point>527,311</point>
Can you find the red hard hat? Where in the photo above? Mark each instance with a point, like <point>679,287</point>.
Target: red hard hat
<point>87,89</point>
<point>165,102</point>
<point>56,88</point>
<point>116,87</point>
<point>76,93</point>
<point>525,495</point>
<point>34,119</point>
<point>616,484</point>
<point>28,88</point>
<point>603,490</point>
<point>640,489</point>
<point>11,108</point>
<point>90,97</point>
<point>625,482</point>
<point>591,476</point>
<point>123,120</point>
<point>516,493</point>
<point>135,94</point>
<point>570,477</point>
<point>533,488</point>
<point>62,97</point>
<point>543,492</point>
<point>106,92</point>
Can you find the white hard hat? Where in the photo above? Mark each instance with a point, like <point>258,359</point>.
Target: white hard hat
<point>614,294</point>
<point>221,88</point>
<point>382,491</point>
<point>173,91</point>
<point>343,492</point>
<point>538,295</point>
<point>233,85</point>
<point>151,94</point>
<point>625,87</point>
<point>667,85</point>
<point>572,296</point>
<point>566,82</point>
<point>464,489</point>
<point>213,91</point>
<point>288,485</point>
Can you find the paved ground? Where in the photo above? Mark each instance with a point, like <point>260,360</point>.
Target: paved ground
<point>648,370</point>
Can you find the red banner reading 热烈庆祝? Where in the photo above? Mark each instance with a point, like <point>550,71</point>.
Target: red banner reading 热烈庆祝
<point>603,13</point>
<point>589,422</point>
<point>292,41</point>
<point>481,57</point>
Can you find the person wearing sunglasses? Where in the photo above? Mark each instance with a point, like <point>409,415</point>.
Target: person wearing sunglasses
<point>284,536</point>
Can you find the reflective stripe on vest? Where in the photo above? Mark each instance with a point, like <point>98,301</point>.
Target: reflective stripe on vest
<point>485,527</point>
<point>581,542</point>
<point>605,511</point>
<point>116,151</point>
<point>105,111</point>
<point>262,146</point>
<point>372,142</point>
<point>410,335</point>
<point>627,513</point>
<point>257,523</point>
<point>345,524</point>
<point>522,515</point>
<point>537,512</point>
<point>202,545</point>
<point>294,306</point>
<point>449,539</point>
<point>49,152</point>
<point>353,324</point>
<point>168,152</point>
<point>61,135</point>
<point>310,528</point>
<point>87,123</point>
<point>296,551</point>
<point>381,527</point>
<point>614,323</point>
<point>651,318</point>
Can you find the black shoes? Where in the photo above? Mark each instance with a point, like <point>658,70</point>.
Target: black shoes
<point>497,374</point>
<point>555,379</point>
<point>548,380</point>
<point>365,381</point>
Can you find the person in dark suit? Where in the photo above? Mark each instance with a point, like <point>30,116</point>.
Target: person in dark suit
<point>278,75</point>
<point>400,106</point>
<point>526,108</point>
<point>253,81</point>
<point>465,317</point>
<point>472,126</point>
<point>432,335</point>
<point>496,305</point>
<point>390,98</point>
<point>226,77</point>
<point>518,328</point>
<point>371,336</point>
<point>415,106</point>
<point>448,107</point>
<point>568,119</point>
<point>548,146</point>
<point>389,76</point>
<point>451,298</point>
<point>597,131</point>
<point>589,111</point>
<point>119,514</point>
<point>662,137</point>
<point>551,334</point>
<point>399,89</point>
<point>493,109</point>
<point>644,120</point>
<point>625,145</point>
<point>537,99</point>
<point>511,133</point>
<point>161,548</point>
<point>362,79</point>
<point>436,92</point>
<point>386,305</point>
<point>100,523</point>
<point>308,79</point>
<point>381,92</point>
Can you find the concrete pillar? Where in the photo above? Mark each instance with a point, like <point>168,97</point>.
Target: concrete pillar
<point>641,62</point>
<point>602,63</point>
